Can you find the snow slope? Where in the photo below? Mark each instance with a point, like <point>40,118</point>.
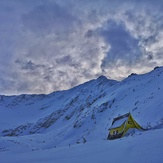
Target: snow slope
<point>51,123</point>
<point>144,148</point>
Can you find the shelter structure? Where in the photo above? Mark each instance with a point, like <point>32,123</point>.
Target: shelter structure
<point>121,125</point>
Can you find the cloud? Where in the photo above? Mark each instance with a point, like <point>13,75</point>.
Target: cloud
<point>47,18</point>
<point>53,45</point>
<point>123,46</point>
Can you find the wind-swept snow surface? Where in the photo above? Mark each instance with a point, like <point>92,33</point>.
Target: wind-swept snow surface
<point>145,147</point>
<point>72,125</point>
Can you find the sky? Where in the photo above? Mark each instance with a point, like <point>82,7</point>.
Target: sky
<point>51,45</point>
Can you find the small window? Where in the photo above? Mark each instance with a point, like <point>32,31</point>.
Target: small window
<point>115,132</point>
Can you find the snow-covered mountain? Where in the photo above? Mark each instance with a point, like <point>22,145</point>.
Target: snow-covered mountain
<point>81,114</point>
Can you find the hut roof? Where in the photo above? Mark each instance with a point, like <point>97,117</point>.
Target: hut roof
<point>118,121</point>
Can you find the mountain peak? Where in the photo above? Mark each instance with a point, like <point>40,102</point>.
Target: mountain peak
<point>102,78</point>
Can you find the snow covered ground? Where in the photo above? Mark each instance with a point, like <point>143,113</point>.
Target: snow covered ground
<point>72,125</point>
<point>143,147</point>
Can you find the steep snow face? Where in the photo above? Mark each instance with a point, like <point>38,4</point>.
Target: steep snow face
<point>81,114</point>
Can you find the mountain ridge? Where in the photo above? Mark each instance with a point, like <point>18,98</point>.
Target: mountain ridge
<point>83,112</point>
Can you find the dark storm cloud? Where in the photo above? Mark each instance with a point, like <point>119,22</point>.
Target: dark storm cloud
<point>67,60</point>
<point>47,18</point>
<point>89,33</point>
<point>123,46</point>
<point>28,65</point>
